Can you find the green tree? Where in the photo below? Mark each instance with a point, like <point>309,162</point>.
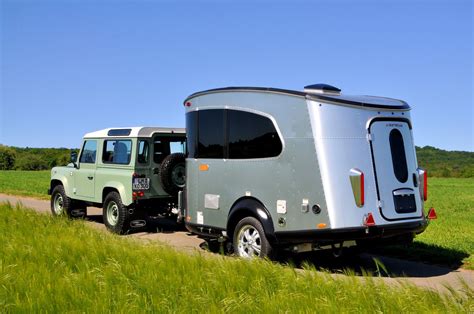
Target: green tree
<point>7,158</point>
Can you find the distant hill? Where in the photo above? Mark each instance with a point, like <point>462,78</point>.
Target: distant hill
<point>443,163</point>
<point>438,162</point>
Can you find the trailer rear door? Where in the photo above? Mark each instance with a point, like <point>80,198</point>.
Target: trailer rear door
<point>394,160</point>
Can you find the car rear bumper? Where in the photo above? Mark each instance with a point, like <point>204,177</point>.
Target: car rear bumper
<point>348,234</point>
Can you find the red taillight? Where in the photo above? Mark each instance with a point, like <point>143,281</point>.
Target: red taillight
<point>369,220</point>
<point>135,175</point>
<point>140,193</point>
<point>425,185</point>
<point>431,214</point>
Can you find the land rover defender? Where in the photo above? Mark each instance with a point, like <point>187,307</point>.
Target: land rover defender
<point>130,172</point>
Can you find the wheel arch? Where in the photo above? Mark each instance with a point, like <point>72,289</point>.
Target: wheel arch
<point>250,206</point>
<point>60,180</point>
<point>119,188</point>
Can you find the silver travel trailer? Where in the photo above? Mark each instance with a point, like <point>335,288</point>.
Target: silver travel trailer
<point>271,168</point>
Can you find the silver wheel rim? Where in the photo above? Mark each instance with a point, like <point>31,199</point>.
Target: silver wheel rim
<point>58,204</point>
<point>178,175</point>
<point>112,213</point>
<point>249,243</point>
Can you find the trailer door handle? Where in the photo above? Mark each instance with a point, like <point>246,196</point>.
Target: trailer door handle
<point>415,180</point>
<point>90,177</point>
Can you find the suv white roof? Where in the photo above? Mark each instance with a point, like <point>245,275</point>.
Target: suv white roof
<point>140,131</point>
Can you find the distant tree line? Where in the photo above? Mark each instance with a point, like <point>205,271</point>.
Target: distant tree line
<point>438,162</point>
<point>16,158</point>
<point>442,163</point>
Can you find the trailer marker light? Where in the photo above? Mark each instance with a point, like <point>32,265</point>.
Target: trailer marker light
<point>188,104</point>
<point>432,214</point>
<point>369,220</point>
<point>356,178</point>
<point>203,167</point>
<point>134,195</point>
<point>321,225</point>
<point>425,185</point>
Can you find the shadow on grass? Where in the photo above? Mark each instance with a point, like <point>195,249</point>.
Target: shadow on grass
<point>420,260</point>
<point>425,253</point>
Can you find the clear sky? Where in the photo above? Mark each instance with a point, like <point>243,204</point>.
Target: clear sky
<point>70,67</point>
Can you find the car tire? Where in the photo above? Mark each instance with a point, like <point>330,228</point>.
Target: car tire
<point>173,173</point>
<point>249,239</point>
<point>61,204</point>
<point>116,216</point>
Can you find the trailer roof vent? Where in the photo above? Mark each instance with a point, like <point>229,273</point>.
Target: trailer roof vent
<point>322,89</point>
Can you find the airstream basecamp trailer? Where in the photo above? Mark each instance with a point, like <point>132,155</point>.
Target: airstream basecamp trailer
<point>271,168</point>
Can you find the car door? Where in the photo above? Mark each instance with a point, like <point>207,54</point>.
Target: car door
<point>85,174</point>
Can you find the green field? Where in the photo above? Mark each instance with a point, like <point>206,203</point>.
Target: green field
<point>25,183</point>
<point>50,264</point>
<point>448,241</point>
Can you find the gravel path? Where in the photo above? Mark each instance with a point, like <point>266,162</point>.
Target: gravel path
<point>419,274</point>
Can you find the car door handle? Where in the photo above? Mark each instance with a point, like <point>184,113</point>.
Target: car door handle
<point>90,177</point>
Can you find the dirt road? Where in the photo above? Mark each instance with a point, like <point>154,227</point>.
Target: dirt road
<point>423,275</point>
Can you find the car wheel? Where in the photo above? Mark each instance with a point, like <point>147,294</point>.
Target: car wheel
<point>60,203</point>
<point>115,214</point>
<point>173,173</point>
<point>250,240</point>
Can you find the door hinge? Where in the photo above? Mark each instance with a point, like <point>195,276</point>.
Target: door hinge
<point>381,204</point>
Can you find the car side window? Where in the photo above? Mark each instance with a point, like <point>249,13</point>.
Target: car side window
<point>143,152</point>
<point>164,146</point>
<point>117,152</point>
<point>89,152</point>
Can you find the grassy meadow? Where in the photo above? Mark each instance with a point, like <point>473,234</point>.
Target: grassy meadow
<point>25,183</point>
<point>50,264</point>
<point>448,241</point>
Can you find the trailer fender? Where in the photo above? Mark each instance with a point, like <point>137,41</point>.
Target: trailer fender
<point>249,206</point>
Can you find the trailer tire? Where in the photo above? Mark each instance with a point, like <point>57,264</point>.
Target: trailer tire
<point>249,239</point>
<point>116,216</point>
<point>173,173</point>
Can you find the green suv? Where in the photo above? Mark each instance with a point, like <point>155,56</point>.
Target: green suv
<point>131,173</point>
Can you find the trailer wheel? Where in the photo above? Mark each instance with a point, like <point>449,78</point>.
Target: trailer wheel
<point>62,205</point>
<point>173,173</point>
<point>115,214</point>
<point>250,240</point>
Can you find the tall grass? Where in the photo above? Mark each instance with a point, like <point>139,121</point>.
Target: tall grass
<point>52,264</point>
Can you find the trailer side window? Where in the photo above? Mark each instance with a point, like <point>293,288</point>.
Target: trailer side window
<point>191,133</point>
<point>251,136</point>
<point>399,159</point>
<point>211,134</point>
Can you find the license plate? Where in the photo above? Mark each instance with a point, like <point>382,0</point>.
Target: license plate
<point>141,183</point>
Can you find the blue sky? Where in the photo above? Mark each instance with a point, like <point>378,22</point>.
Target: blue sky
<point>70,67</point>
